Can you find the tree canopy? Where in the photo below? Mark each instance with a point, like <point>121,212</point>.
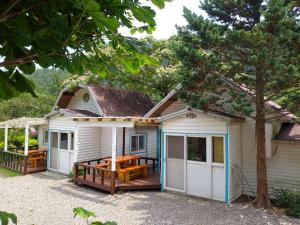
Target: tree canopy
<point>256,45</point>
<point>155,80</point>
<point>69,35</point>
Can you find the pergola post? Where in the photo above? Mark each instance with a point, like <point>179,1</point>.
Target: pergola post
<point>26,139</point>
<point>113,160</point>
<point>6,138</point>
<point>114,149</point>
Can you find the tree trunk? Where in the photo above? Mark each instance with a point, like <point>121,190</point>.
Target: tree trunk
<point>262,199</point>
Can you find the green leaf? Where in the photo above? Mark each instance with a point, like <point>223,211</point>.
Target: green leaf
<point>101,20</point>
<point>144,14</point>
<point>22,83</point>
<point>5,217</point>
<point>159,3</point>
<point>7,88</point>
<point>83,213</point>
<point>110,223</point>
<point>27,68</point>
<point>96,223</point>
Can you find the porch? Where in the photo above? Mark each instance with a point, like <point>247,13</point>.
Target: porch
<point>91,173</point>
<point>28,158</point>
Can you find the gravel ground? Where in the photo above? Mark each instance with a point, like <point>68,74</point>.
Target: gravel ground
<point>48,199</point>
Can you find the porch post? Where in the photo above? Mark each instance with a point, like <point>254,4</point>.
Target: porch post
<point>114,149</point>
<point>26,139</point>
<point>6,138</point>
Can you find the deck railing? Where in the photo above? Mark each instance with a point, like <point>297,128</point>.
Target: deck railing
<point>84,169</point>
<point>14,161</point>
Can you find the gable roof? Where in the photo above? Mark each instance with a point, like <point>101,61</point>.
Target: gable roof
<point>172,97</point>
<point>289,132</point>
<point>111,102</point>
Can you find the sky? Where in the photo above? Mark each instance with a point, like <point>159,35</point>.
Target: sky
<point>167,18</point>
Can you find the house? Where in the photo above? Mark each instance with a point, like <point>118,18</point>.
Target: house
<point>206,154</point>
<point>213,154</point>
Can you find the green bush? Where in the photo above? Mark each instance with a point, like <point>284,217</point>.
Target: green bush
<point>290,200</point>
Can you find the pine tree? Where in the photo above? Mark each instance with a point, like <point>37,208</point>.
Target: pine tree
<point>251,43</point>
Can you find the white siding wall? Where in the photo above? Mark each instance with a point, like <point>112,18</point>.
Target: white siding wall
<point>203,123</point>
<point>106,140</point>
<point>151,139</point>
<point>78,103</point>
<point>41,135</point>
<point>61,123</point>
<point>235,160</point>
<point>174,107</point>
<point>283,166</point>
<point>89,143</point>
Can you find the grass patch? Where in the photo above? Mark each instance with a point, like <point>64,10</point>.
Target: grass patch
<point>8,172</point>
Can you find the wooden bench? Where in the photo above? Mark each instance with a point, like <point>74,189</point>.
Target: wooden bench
<point>127,173</point>
<point>35,159</point>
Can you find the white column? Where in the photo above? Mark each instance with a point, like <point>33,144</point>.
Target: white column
<point>26,139</point>
<point>114,149</point>
<point>6,138</point>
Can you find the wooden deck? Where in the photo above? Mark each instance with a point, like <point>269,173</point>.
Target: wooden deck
<point>87,173</point>
<point>151,182</point>
<point>36,169</point>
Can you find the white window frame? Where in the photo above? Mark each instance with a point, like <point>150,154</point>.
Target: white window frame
<point>138,144</point>
<point>44,132</point>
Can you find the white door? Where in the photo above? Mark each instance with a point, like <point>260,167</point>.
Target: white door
<point>195,165</point>
<point>62,151</point>
<point>198,167</point>
<point>53,150</point>
<point>217,167</point>
<point>175,163</point>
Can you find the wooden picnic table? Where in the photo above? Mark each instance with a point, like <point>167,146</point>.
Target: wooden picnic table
<point>126,167</point>
<point>36,155</point>
<point>127,159</point>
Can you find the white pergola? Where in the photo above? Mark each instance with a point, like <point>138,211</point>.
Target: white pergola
<point>23,122</point>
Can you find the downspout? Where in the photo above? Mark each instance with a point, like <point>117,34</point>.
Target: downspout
<point>158,143</point>
<point>162,161</point>
<point>227,166</point>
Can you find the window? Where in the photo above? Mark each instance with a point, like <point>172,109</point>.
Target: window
<point>86,97</point>
<point>218,149</point>
<point>138,143</point>
<point>197,149</point>
<point>63,141</point>
<point>45,136</point>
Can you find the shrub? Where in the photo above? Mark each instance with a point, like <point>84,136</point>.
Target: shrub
<point>290,200</point>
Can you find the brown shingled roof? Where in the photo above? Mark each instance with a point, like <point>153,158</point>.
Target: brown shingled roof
<point>120,102</point>
<point>289,132</point>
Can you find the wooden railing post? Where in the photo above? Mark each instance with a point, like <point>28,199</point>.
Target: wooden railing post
<point>84,173</point>
<point>112,183</point>
<point>89,170</point>
<point>75,173</point>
